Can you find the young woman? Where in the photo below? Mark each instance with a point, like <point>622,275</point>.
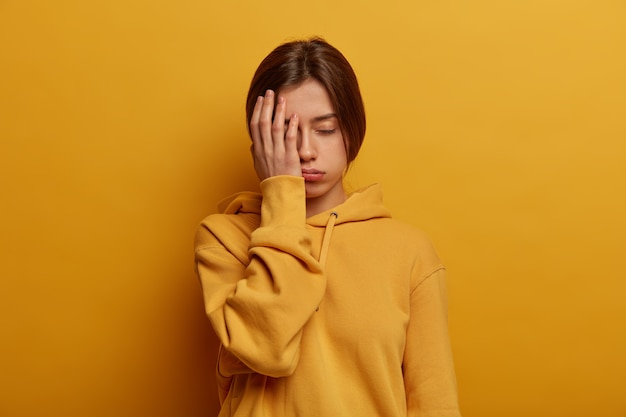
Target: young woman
<point>324,304</point>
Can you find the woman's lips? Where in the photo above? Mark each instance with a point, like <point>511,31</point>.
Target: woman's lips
<point>310,174</point>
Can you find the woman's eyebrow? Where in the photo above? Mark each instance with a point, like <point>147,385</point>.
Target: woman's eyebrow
<point>324,117</point>
<point>319,118</point>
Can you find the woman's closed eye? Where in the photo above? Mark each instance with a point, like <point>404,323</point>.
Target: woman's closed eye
<point>326,132</point>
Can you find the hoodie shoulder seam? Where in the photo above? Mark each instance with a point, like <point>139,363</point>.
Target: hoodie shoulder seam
<point>427,275</point>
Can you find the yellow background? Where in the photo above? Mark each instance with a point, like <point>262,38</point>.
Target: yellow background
<point>498,126</point>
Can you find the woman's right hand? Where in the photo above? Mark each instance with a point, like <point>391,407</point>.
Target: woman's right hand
<point>274,146</point>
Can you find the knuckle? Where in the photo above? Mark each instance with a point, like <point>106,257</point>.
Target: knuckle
<point>277,129</point>
<point>264,123</point>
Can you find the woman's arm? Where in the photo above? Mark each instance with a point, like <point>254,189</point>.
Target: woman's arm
<point>428,368</point>
<point>258,310</point>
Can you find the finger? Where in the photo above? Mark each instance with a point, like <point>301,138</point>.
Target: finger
<point>291,137</point>
<point>265,122</point>
<point>257,148</point>
<point>278,126</point>
<point>254,123</point>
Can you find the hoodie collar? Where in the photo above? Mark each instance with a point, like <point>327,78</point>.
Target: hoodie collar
<point>363,204</point>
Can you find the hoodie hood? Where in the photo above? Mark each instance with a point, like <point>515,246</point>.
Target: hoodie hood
<point>243,202</point>
<point>361,205</point>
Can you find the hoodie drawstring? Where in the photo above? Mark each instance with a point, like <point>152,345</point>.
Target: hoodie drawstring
<point>326,240</point>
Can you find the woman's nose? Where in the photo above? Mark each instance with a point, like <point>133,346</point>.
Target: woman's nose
<point>306,147</point>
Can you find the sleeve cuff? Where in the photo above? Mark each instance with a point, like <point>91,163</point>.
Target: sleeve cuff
<point>284,200</point>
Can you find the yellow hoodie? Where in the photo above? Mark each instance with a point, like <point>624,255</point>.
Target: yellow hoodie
<point>340,314</point>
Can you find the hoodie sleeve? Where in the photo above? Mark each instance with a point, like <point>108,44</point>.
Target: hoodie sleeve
<point>429,375</point>
<point>258,310</point>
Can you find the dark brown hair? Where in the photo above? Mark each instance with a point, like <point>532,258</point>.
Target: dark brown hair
<point>292,63</point>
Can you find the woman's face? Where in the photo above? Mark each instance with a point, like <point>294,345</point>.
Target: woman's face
<point>323,158</point>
